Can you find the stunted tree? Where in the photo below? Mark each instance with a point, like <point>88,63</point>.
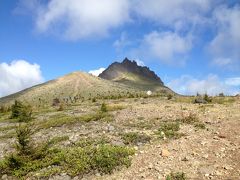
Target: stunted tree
<point>23,145</point>
<point>21,112</point>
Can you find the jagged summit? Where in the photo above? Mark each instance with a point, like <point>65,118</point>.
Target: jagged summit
<point>129,72</point>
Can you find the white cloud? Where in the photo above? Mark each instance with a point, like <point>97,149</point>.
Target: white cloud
<point>174,13</point>
<point>97,71</point>
<point>17,76</point>
<point>121,43</point>
<point>212,85</point>
<point>222,61</point>
<point>139,62</point>
<point>233,81</point>
<point>77,19</point>
<point>226,44</point>
<point>164,46</point>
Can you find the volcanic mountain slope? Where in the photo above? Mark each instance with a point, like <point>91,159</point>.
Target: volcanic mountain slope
<point>71,87</point>
<point>118,80</point>
<point>129,73</point>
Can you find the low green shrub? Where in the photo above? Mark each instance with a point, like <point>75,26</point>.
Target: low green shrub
<point>67,120</point>
<point>24,145</point>
<point>200,125</point>
<point>104,107</point>
<point>169,96</point>
<point>73,161</point>
<point>190,119</point>
<point>21,112</point>
<point>169,130</point>
<point>176,176</point>
<point>193,120</point>
<point>133,138</point>
<point>207,98</point>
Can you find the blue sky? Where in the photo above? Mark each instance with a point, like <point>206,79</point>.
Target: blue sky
<point>193,45</point>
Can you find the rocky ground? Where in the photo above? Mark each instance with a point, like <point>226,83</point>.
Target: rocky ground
<point>209,152</point>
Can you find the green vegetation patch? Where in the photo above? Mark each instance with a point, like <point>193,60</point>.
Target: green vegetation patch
<point>190,119</point>
<point>115,107</point>
<point>8,135</point>
<point>67,120</point>
<point>176,176</point>
<point>200,125</point>
<point>169,130</point>
<point>223,100</point>
<point>193,120</point>
<point>6,128</point>
<point>57,139</point>
<point>73,161</point>
<point>133,138</point>
<point>42,159</point>
<point>21,112</point>
<point>84,142</point>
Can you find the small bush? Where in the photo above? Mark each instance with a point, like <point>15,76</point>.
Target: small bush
<point>221,95</point>
<point>200,125</point>
<point>56,102</point>
<point>13,162</point>
<point>94,100</point>
<point>133,138</point>
<point>61,107</point>
<point>24,145</point>
<point>84,142</point>
<point>58,139</point>
<point>67,120</point>
<point>22,112</point>
<point>169,96</point>
<point>115,107</point>
<point>190,119</point>
<point>73,160</point>
<point>169,130</point>
<point>207,98</point>
<point>176,176</point>
<point>193,120</point>
<point>16,109</point>
<point>104,107</point>
<point>4,109</point>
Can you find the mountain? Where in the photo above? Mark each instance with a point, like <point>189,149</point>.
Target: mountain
<point>129,73</point>
<point>118,80</point>
<point>71,87</point>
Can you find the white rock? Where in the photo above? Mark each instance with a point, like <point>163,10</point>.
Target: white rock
<point>149,93</point>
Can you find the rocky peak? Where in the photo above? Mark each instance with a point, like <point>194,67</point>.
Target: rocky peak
<point>128,66</point>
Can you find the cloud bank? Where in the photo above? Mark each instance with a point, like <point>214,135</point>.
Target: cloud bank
<point>18,75</point>
<point>225,47</point>
<point>212,85</point>
<point>78,19</point>
<point>164,46</point>
<point>175,23</point>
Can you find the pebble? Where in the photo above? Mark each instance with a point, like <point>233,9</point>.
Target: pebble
<point>150,166</point>
<point>4,177</point>
<point>227,167</point>
<point>110,128</point>
<point>136,148</point>
<point>185,158</point>
<point>165,153</point>
<point>205,156</point>
<point>206,170</point>
<point>98,174</point>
